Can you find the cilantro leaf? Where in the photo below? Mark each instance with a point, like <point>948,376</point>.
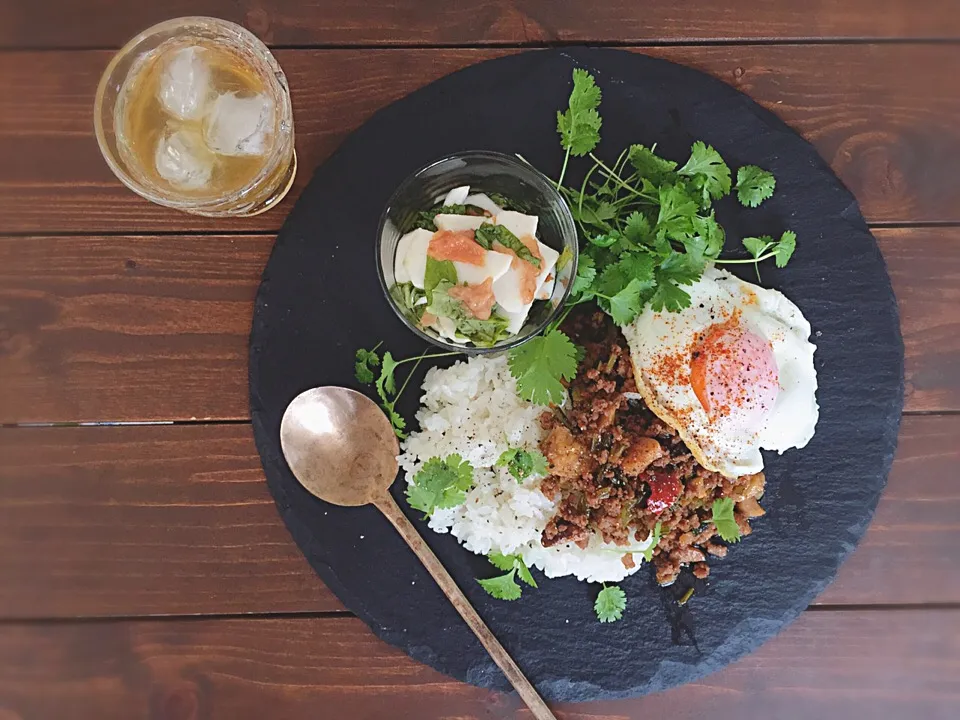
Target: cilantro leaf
<point>503,587</point>
<point>637,230</point>
<point>677,210</point>
<point>784,248</point>
<point>593,214</point>
<point>540,364</point>
<point>523,463</point>
<point>669,297</point>
<point>680,268</point>
<point>708,169</point>
<point>724,520</point>
<point>396,419</point>
<point>707,241</point>
<point>579,125</point>
<point>566,257</point>
<point>754,185</point>
<point>386,382</point>
<point>502,562</point>
<point>610,604</point>
<point>512,562</point>
<point>367,360</point>
<point>633,271</point>
<point>523,572</point>
<point>440,484</point>
<point>605,240</point>
<point>756,246</point>
<point>650,165</point>
<point>586,274</point>
<point>626,304</point>
<point>487,234</point>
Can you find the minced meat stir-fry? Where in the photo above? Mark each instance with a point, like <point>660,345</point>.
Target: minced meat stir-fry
<point>618,470</point>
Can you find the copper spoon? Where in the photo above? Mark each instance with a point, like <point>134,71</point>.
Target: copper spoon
<point>341,448</point>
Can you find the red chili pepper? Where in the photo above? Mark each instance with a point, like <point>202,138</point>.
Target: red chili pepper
<point>664,491</point>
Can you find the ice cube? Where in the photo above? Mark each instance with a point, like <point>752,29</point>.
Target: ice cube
<point>183,160</point>
<point>239,125</point>
<point>185,84</point>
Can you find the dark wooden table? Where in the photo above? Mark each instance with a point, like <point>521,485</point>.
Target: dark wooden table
<point>144,572</point>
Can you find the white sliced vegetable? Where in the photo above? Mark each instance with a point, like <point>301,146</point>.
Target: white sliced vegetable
<point>457,195</point>
<point>415,260</point>
<point>484,203</point>
<point>459,222</point>
<point>494,266</point>
<point>519,224</point>
<point>545,291</point>
<point>549,261</point>
<point>506,291</point>
<point>515,321</point>
<point>403,249</point>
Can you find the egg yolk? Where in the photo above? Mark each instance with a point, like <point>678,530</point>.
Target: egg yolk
<point>733,372</point>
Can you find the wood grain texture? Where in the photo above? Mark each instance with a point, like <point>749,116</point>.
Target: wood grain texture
<point>149,520</point>
<point>101,521</point>
<point>155,328</point>
<point>882,115</point>
<point>101,23</point>
<point>828,665</point>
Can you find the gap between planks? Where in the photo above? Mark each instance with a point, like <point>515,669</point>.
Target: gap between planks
<point>313,615</point>
<point>543,45</point>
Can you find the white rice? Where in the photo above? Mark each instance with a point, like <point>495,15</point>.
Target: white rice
<point>472,409</point>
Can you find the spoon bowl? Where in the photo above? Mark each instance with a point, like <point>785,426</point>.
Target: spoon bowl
<point>339,445</point>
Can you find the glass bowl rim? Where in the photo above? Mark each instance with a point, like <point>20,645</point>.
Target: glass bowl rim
<point>566,219</point>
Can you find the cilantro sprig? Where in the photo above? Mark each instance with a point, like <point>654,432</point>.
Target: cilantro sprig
<point>505,587</point>
<point>440,484</point>
<point>724,520</point>
<point>365,367</point>
<point>365,370</point>
<point>523,463</point>
<point>610,604</point>
<point>579,124</point>
<point>646,223</point>
<point>765,247</point>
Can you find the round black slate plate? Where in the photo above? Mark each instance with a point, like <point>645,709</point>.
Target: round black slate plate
<point>320,301</point>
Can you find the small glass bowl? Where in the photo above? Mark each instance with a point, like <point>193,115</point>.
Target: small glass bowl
<point>484,172</point>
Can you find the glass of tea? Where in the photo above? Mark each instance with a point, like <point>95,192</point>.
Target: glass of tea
<point>194,114</point>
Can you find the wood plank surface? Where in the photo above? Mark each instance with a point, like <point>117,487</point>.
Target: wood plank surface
<point>144,520</point>
<point>102,23</point>
<point>156,328</point>
<point>830,665</point>
<point>101,521</point>
<point>881,114</point>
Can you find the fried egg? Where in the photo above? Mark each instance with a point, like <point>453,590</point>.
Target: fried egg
<point>732,373</point>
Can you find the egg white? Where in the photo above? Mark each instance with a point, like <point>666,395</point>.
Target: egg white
<point>726,445</point>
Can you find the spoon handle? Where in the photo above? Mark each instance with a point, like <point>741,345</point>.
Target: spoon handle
<point>388,506</point>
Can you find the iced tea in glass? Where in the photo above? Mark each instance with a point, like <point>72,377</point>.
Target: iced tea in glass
<point>194,114</point>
